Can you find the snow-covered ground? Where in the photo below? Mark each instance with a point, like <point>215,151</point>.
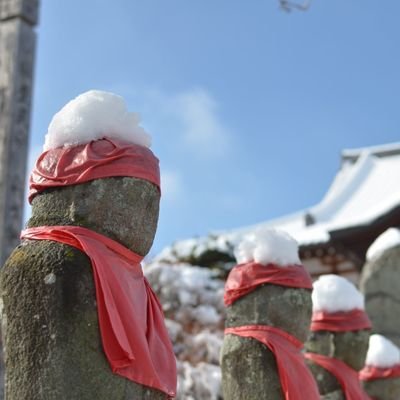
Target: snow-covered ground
<point>192,299</point>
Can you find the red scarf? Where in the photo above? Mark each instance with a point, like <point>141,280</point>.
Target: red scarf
<point>296,380</point>
<point>244,278</point>
<point>102,158</point>
<point>346,376</point>
<point>342,321</point>
<point>370,373</point>
<point>134,336</point>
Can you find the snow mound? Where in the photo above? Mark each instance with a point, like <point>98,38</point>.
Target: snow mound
<point>382,353</point>
<point>192,300</point>
<point>334,293</point>
<point>389,238</point>
<point>267,246</point>
<point>91,116</point>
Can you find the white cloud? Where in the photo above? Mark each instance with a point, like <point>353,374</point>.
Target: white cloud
<point>203,130</point>
<point>171,185</point>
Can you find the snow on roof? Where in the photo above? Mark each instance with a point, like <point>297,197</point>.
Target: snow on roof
<point>364,189</point>
<point>333,293</point>
<point>382,353</point>
<point>94,115</point>
<point>389,238</point>
<point>266,246</point>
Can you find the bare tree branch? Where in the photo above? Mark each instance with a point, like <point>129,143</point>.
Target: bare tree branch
<point>289,6</point>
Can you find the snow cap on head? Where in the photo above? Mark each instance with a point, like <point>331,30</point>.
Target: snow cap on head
<point>333,293</point>
<point>337,306</point>
<point>265,257</point>
<point>388,239</point>
<point>94,115</point>
<point>268,246</point>
<point>382,353</point>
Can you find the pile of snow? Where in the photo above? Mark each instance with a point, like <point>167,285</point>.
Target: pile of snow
<point>200,382</point>
<point>389,238</point>
<point>382,353</point>
<point>94,115</point>
<point>191,250</point>
<point>192,300</point>
<point>267,246</point>
<point>333,293</point>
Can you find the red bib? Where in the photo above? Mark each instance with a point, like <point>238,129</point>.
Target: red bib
<point>346,376</point>
<point>342,321</point>
<point>296,379</point>
<point>244,278</point>
<point>370,373</point>
<point>133,333</point>
<point>102,158</point>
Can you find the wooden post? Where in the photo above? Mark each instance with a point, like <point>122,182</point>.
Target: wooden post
<point>17,52</point>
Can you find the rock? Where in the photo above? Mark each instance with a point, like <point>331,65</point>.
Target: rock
<point>52,341</point>
<point>380,280</point>
<point>350,347</point>
<point>249,369</point>
<point>383,389</point>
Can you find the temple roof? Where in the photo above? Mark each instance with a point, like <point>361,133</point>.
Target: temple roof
<point>366,188</point>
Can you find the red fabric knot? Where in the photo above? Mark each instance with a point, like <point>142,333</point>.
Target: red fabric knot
<point>97,159</point>
<point>296,380</point>
<point>244,278</point>
<point>135,339</point>
<point>346,376</point>
<point>371,373</point>
<point>341,321</point>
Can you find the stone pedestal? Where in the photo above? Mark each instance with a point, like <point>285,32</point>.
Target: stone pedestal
<point>249,369</point>
<point>380,282</point>
<point>53,345</point>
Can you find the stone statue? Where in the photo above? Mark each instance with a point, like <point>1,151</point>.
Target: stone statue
<point>338,342</point>
<point>50,318</point>
<point>265,299</point>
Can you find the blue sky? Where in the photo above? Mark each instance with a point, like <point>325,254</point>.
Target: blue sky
<point>249,107</point>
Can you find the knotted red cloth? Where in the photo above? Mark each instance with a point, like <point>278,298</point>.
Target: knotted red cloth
<point>244,278</point>
<point>133,333</point>
<point>296,379</point>
<point>98,159</point>
<point>371,373</point>
<point>346,376</point>
<point>341,321</point>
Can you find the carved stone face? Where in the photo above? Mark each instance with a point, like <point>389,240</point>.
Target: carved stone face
<point>123,208</point>
<point>285,308</point>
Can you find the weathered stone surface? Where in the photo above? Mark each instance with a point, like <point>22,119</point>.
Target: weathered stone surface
<point>336,395</point>
<point>380,282</point>
<point>124,209</point>
<point>249,369</point>
<point>383,389</point>
<point>53,346</point>
<point>349,347</point>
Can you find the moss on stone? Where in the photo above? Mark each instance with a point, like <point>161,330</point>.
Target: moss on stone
<point>50,324</point>
<point>57,353</point>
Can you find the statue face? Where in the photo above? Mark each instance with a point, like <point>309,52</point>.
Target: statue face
<point>285,308</point>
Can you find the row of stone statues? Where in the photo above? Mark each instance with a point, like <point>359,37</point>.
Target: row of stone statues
<point>263,299</point>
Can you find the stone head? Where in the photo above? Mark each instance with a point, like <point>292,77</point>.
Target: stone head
<point>350,346</point>
<point>282,307</point>
<point>125,209</point>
